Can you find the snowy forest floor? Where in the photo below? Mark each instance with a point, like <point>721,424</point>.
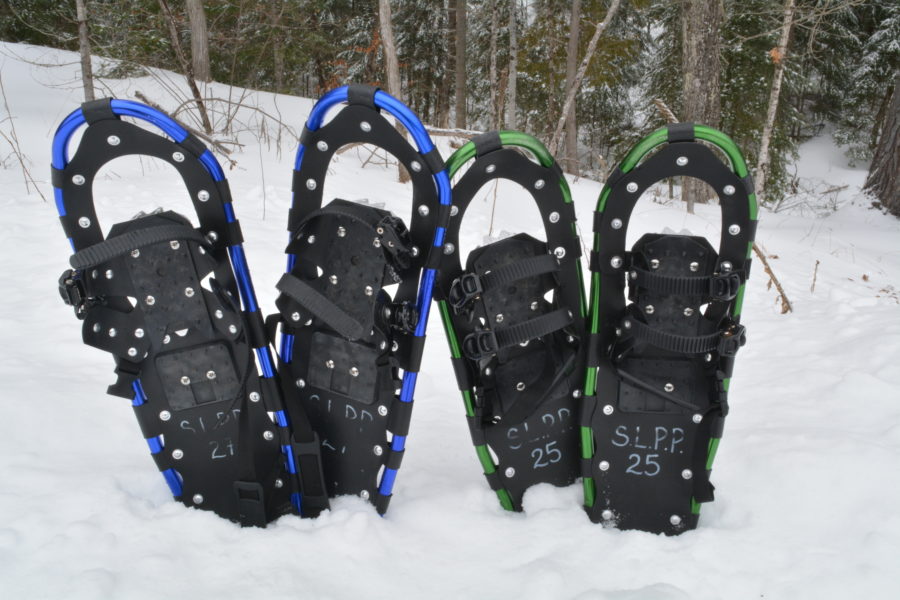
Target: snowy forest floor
<point>807,474</point>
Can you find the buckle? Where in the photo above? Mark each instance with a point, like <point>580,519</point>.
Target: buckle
<point>71,289</point>
<point>464,289</point>
<point>404,316</point>
<point>724,286</point>
<point>732,339</point>
<point>480,344</point>
<point>251,507</point>
<point>395,239</point>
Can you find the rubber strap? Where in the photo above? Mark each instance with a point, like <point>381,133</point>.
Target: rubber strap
<point>679,286</point>
<point>521,269</point>
<point>487,142</point>
<point>476,346</point>
<point>320,306</point>
<point>682,344</point>
<point>123,244</point>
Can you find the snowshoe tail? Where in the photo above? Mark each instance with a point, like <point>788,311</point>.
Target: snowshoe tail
<point>164,298</point>
<point>660,362</point>
<point>517,356</point>
<point>345,336</point>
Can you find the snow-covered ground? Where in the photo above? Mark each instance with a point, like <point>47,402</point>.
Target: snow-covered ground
<point>808,475</point>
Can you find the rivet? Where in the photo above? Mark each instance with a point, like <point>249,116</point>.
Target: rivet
<point>414,251</point>
<point>697,418</point>
<point>322,145</point>
<point>202,195</point>
<point>112,332</point>
<point>376,242</point>
<point>570,338</point>
<point>301,383</point>
<point>109,273</point>
<point>268,435</point>
<point>177,454</point>
<point>113,140</point>
<point>524,344</point>
<point>97,327</point>
<point>329,363</point>
<point>232,328</point>
<point>616,224</point>
<point>364,494</point>
<point>687,474</point>
<point>395,346</point>
<point>615,262</point>
<point>608,409</point>
<point>382,345</point>
<point>607,515</point>
<point>454,210</point>
<point>135,253</point>
<point>423,210</point>
<point>559,252</point>
<point>279,483</point>
<point>554,217</point>
<point>212,236</point>
<point>539,184</point>
<point>675,520</point>
<point>365,126</point>
<point>649,309</point>
<point>499,318</point>
<point>78,179</point>
<point>174,245</point>
<point>632,187</point>
<point>618,331</point>
<point>708,357</point>
<point>311,239</point>
<point>167,338</point>
<point>132,352</point>
<point>165,415</point>
<point>378,450</point>
<point>333,279</point>
<point>369,290</point>
<point>382,410</point>
<point>734,229</point>
<point>379,230</point>
<point>576,394</point>
<point>681,161</point>
<point>198,498</point>
<point>509,472</point>
<point>604,465</point>
<point>488,371</point>
<point>654,263</point>
<point>310,184</point>
<point>534,305</point>
<point>354,372</point>
<point>295,316</point>
<point>178,157</point>
<point>210,374</point>
<point>726,266</point>
<point>219,314</point>
<point>520,386</point>
<point>729,190</point>
<point>688,311</point>
<point>189,292</point>
<point>254,396</point>
<point>626,324</point>
<point>695,267</point>
<point>416,166</point>
<point>84,222</point>
<point>669,387</point>
<point>490,168</point>
<point>449,248</point>
<point>185,380</point>
<point>342,232</point>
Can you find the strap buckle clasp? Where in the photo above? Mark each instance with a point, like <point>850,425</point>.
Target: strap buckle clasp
<point>724,286</point>
<point>732,339</point>
<point>464,289</point>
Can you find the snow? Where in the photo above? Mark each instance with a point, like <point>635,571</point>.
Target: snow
<point>807,474</point>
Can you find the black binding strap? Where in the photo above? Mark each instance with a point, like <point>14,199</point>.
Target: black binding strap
<point>125,243</point>
<point>98,110</point>
<point>362,95</point>
<point>486,342</point>
<point>487,142</point>
<point>680,132</point>
<point>320,306</point>
<point>726,342</point>
<point>721,286</point>
<point>469,286</point>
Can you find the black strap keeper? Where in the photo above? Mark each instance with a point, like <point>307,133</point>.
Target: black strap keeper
<point>224,191</point>
<point>394,458</point>
<point>717,426</point>
<point>557,170</point>
<point>304,136</point>
<point>595,262</point>
<point>362,95</point>
<point>593,351</point>
<point>251,503</point>
<point>598,221</point>
<point>494,481</point>
<point>162,460</point>
<point>401,415</point>
<point>434,161</point>
<point>462,372</point>
<point>193,145</point>
<point>435,255</point>
<point>233,235</point>
<point>751,229</point>
<point>70,226</point>
<point>588,406</point>
<point>416,348</point>
<point>748,184</point>
<point>271,395</point>
<point>680,132</point>
<point>256,330</point>
<point>586,465</point>
<point>443,215</point>
<point>98,110</point>
<point>487,142</point>
<point>382,502</point>
<point>477,430</point>
<point>57,177</point>
<point>614,177</point>
<point>703,489</point>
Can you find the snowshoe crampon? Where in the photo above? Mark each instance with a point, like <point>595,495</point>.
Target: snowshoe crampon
<point>660,361</point>
<point>514,318</point>
<point>164,298</point>
<point>354,302</point>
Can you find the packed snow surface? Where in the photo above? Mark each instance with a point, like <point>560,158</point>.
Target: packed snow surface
<point>807,476</point>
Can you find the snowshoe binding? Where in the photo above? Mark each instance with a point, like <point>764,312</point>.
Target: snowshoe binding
<point>660,362</point>
<point>518,357</point>
<point>353,304</point>
<point>164,298</point>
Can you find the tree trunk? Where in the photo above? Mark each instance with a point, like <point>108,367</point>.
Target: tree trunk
<point>84,48</point>
<point>884,174</point>
<point>460,64</point>
<point>450,66</point>
<point>571,154</point>
<point>701,21</point>
<point>492,73</point>
<point>513,66</point>
<point>199,39</point>
<point>391,66</point>
<point>186,67</point>
<point>778,57</point>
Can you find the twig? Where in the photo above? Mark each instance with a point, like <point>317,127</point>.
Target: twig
<point>219,146</point>
<point>665,111</point>
<point>786,306</point>
<point>16,148</point>
<point>812,288</point>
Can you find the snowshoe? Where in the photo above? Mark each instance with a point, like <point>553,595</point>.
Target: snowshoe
<point>660,362</point>
<point>514,318</point>
<point>164,298</point>
<point>353,304</point>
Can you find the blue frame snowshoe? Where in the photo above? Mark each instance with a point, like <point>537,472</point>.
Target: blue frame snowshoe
<point>660,363</point>
<point>165,299</point>
<point>344,337</point>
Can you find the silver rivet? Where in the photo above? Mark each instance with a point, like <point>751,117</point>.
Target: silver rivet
<point>310,184</point>
<point>499,318</point>
<point>604,465</point>
<point>178,157</point>
<point>627,324</point>
<point>212,236</point>
<point>708,357</point>
<point>84,222</point>
<point>219,314</point>
<point>608,409</point>
<point>697,418</point>
<point>675,520</point>
<point>488,371</point>
<point>616,224</point>
<point>387,312</point>
<point>559,252</point>
<point>132,352</point>
<point>189,292</point>
<point>686,474</point>
<point>607,515</point>
<point>649,309</point>
<point>449,248</point>
<point>112,332</point>
<point>365,126</point>
<point>301,383</point>
<point>198,498</point>
<point>165,415</point>
<point>576,394</point>
<point>97,327</point>
<point>729,190</point>
<point>382,410</point>
<point>329,363</point>
<point>185,380</point>
<point>78,179</point>
<point>364,494</point>
<point>520,386</point>
<point>279,483</point>
<point>135,253</point>
<point>174,245</point>
<point>378,450</point>
<point>322,145</point>
<point>379,230</point>
<point>354,372</point>
<point>268,435</point>
<point>615,262</point>
<point>509,472</point>
<point>113,140</point>
<point>539,184</point>
<point>633,274</point>
<point>681,161</point>
<point>554,217</point>
<point>232,328</point>
<point>395,346</point>
<point>669,387</point>
<point>688,311</point>
<point>210,374</point>
<point>177,454</point>
<point>295,316</point>
<point>534,305</point>
<point>341,232</point>
<point>423,210</point>
<point>414,251</point>
<point>202,195</point>
<point>654,264</point>
<point>695,267</point>
<point>454,210</point>
<point>167,338</point>
<point>416,166</point>
<point>202,250</point>
<point>311,239</point>
<point>369,290</point>
<point>109,273</point>
<point>333,279</point>
<point>524,344</point>
<point>632,187</point>
<point>382,345</point>
<point>376,242</point>
<point>725,266</point>
<point>618,331</point>
<point>490,168</point>
<point>734,229</point>
<point>254,396</point>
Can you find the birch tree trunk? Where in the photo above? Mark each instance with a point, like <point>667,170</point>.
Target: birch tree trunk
<point>460,64</point>
<point>701,21</point>
<point>443,108</point>
<point>492,69</point>
<point>513,66</point>
<point>186,67</point>
<point>884,175</point>
<point>762,162</point>
<point>571,155</point>
<point>199,39</point>
<point>392,67</point>
<point>84,49</point>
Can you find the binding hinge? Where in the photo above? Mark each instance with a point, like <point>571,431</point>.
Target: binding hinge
<point>73,293</point>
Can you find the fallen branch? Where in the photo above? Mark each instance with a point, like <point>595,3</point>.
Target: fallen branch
<point>217,145</point>
<point>786,306</point>
<point>812,288</point>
